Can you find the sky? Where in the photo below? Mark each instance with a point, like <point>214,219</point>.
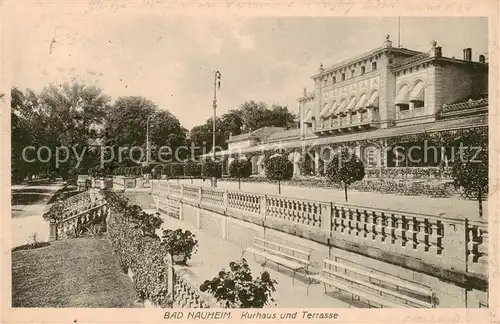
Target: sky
<point>172,60</point>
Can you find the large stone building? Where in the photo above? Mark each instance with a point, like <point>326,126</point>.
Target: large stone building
<point>392,106</point>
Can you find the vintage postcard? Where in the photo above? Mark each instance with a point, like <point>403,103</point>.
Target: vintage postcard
<point>250,161</point>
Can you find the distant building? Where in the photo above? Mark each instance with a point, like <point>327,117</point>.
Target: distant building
<point>386,98</point>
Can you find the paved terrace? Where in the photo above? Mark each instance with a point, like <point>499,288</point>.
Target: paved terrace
<point>453,206</point>
<point>214,253</point>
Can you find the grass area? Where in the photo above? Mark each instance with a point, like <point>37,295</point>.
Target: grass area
<point>81,272</point>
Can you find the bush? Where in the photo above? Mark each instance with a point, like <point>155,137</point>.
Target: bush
<point>211,169</point>
<point>142,254</point>
<point>240,168</point>
<point>470,166</point>
<point>192,169</point>
<point>165,170</point>
<point>345,168</point>
<point>236,288</point>
<point>179,243</point>
<point>176,170</point>
<point>279,168</point>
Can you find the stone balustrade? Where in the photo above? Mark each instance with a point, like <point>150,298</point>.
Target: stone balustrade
<point>477,246</point>
<point>447,242</point>
<point>298,211</point>
<point>78,211</point>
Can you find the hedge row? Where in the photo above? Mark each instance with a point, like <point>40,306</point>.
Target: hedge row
<point>428,188</point>
<point>131,232</point>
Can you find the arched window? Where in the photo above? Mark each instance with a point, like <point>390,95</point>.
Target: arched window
<point>402,101</point>
<point>417,95</point>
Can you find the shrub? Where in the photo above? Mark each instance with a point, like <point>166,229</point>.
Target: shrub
<point>143,255</point>
<point>165,170</point>
<point>279,168</point>
<point>192,169</point>
<point>345,168</point>
<point>211,169</point>
<point>176,170</point>
<point>470,166</point>
<point>240,168</point>
<point>179,243</point>
<point>237,288</point>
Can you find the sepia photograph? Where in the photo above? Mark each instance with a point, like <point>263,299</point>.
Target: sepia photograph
<point>249,162</point>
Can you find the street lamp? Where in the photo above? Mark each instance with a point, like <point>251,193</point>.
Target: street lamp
<point>217,76</point>
<point>148,149</point>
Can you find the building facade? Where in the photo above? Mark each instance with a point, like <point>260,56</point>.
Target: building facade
<point>394,107</point>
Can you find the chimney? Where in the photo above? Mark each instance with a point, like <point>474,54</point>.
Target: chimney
<point>438,52</point>
<point>482,59</point>
<point>468,54</point>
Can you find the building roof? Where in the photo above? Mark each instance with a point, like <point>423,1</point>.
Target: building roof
<point>286,134</point>
<point>259,134</point>
<point>441,125</point>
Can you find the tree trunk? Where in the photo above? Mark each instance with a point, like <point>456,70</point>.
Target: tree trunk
<point>239,183</point>
<point>345,191</point>
<point>480,201</point>
<point>279,187</point>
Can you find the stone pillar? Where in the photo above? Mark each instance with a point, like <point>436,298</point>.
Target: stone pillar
<point>52,231</point>
<point>316,162</point>
<point>387,88</point>
<point>455,244</point>
<point>434,89</point>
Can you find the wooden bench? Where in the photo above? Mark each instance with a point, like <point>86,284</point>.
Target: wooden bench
<point>374,286</point>
<point>291,258</point>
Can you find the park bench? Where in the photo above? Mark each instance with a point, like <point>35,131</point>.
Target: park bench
<point>373,286</point>
<point>291,258</point>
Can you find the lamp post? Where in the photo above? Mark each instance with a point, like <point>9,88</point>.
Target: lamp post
<point>217,76</point>
<point>147,140</point>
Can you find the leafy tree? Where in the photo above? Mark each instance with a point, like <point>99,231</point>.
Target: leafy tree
<point>237,288</point>
<point>240,168</point>
<point>345,168</point>
<point>469,167</point>
<point>176,170</point>
<point>192,169</point>
<point>126,124</point>
<point>211,169</point>
<point>279,168</point>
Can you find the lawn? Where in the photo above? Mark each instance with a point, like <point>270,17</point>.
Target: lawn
<point>81,272</point>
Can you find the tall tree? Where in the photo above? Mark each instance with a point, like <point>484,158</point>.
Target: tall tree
<point>126,125</point>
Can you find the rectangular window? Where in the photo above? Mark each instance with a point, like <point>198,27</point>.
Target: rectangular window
<point>334,80</point>
<point>353,72</point>
<point>343,76</point>
<point>374,66</point>
<point>363,70</point>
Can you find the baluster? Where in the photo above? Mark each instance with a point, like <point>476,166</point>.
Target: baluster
<point>410,234</point>
<point>483,248</point>
<point>422,236</point>
<point>381,227</point>
<point>335,217</point>
<point>471,238</point>
<point>371,219</point>
<point>434,238</point>
<point>399,231</point>
<point>343,225</point>
<point>393,225</point>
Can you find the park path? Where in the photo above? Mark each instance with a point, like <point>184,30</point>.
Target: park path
<point>29,202</point>
<point>453,206</point>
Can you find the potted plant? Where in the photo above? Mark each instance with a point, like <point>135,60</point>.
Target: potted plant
<point>180,244</point>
